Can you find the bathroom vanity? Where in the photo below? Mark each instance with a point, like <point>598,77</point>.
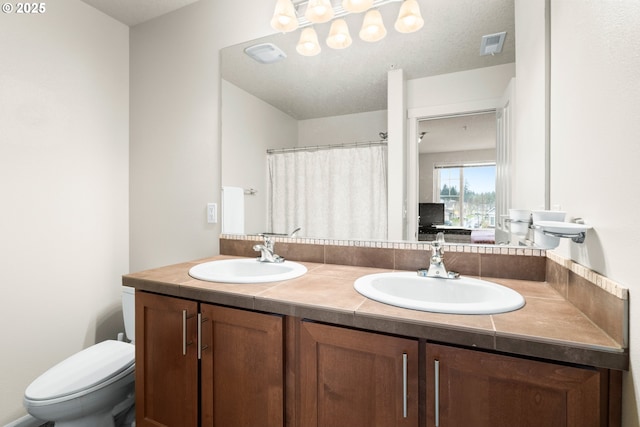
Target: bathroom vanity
<point>311,351</point>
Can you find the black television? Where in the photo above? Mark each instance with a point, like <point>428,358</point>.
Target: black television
<point>431,214</point>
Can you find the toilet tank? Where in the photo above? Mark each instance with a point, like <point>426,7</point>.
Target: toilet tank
<point>128,312</point>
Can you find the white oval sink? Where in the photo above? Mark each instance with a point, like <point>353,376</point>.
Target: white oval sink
<point>463,295</point>
<point>246,270</point>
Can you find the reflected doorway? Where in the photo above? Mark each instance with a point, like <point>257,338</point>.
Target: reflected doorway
<point>457,170</point>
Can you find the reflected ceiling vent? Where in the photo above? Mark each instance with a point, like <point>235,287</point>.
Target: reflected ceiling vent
<point>492,43</point>
<point>265,53</point>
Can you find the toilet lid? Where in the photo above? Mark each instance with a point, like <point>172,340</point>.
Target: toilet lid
<point>83,370</point>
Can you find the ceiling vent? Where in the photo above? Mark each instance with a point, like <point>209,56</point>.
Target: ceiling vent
<point>492,43</point>
<point>265,53</point>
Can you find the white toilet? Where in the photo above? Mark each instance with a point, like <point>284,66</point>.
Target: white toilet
<point>92,386</point>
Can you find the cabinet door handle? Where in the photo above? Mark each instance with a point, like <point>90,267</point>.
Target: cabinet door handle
<point>200,346</point>
<point>184,332</point>
<point>404,384</point>
<point>185,316</point>
<point>436,379</point>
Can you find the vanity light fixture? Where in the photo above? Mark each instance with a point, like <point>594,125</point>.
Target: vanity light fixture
<point>319,11</point>
<point>373,28</point>
<point>284,17</point>
<point>287,17</point>
<point>308,44</point>
<point>339,37</point>
<point>409,18</point>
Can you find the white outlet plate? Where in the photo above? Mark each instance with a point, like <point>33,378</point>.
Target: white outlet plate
<point>212,213</point>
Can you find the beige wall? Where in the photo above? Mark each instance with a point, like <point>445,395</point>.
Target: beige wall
<point>175,148</point>
<point>64,124</point>
<point>595,104</point>
<point>250,126</point>
<point>357,127</point>
<point>528,154</point>
<point>463,87</point>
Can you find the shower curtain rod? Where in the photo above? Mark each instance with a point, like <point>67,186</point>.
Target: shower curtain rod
<point>326,147</point>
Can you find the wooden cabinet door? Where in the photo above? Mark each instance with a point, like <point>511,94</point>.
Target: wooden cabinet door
<point>356,379</point>
<point>166,361</point>
<point>242,368</point>
<point>467,388</point>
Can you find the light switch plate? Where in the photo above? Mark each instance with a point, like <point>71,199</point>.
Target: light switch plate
<point>212,213</point>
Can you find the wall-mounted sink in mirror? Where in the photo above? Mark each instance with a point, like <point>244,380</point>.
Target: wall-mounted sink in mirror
<point>340,96</point>
<point>246,270</point>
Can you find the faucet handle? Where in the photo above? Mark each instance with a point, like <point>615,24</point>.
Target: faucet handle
<point>293,233</point>
<point>439,240</point>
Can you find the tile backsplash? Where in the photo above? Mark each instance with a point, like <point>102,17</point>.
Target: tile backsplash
<point>601,299</point>
<point>472,260</point>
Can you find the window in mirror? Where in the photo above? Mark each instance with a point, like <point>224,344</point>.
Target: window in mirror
<point>468,192</point>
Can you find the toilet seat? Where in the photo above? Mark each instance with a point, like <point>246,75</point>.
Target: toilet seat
<point>90,369</point>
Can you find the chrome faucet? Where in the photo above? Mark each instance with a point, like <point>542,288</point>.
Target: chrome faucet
<point>266,251</point>
<point>436,262</point>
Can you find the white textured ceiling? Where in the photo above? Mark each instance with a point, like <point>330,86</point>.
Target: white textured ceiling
<point>458,133</point>
<point>132,12</point>
<point>352,80</point>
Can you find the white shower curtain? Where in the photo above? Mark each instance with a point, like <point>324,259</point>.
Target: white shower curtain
<point>337,193</point>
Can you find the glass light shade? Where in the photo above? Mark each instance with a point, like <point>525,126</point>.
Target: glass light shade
<point>319,11</point>
<point>409,19</point>
<point>308,44</point>
<point>373,28</point>
<point>356,6</point>
<point>284,17</point>
<point>339,37</point>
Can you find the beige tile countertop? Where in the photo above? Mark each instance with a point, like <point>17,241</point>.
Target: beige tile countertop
<point>547,327</point>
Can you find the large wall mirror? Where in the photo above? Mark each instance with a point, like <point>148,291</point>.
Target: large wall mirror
<point>340,96</point>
